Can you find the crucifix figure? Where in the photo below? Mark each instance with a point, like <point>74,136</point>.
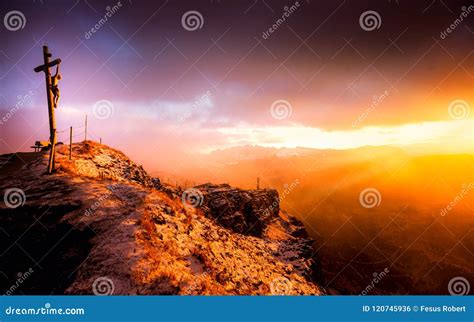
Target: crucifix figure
<point>52,94</point>
<point>54,86</point>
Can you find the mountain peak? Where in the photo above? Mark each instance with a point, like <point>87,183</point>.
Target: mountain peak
<point>102,218</point>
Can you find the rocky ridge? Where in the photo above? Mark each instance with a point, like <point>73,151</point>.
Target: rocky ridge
<point>113,229</point>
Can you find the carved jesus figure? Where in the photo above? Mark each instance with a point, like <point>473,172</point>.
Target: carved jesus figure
<point>54,87</point>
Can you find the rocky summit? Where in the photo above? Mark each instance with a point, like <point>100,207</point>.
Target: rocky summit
<point>101,225</point>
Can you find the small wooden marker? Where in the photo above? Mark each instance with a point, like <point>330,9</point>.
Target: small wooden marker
<point>85,130</point>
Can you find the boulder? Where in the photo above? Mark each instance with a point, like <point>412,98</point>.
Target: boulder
<point>246,212</point>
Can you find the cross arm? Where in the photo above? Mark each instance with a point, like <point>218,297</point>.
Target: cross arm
<point>42,68</point>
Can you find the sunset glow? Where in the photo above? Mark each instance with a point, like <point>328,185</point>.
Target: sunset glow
<point>441,135</point>
<point>185,92</point>
<point>250,147</point>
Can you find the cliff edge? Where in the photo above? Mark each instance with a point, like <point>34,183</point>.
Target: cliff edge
<point>101,225</point>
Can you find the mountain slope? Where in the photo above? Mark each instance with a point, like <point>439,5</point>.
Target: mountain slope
<point>102,225</point>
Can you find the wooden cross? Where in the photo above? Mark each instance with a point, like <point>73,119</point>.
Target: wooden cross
<point>49,94</point>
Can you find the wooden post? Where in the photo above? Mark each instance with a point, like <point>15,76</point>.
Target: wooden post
<point>49,94</point>
<point>100,140</point>
<point>85,130</point>
<point>52,152</point>
<point>258,183</point>
<point>70,143</point>
<point>52,119</point>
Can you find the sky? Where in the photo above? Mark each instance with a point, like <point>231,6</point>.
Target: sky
<point>164,79</point>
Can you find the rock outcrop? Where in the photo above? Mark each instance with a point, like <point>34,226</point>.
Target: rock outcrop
<point>100,224</point>
<point>247,212</point>
<point>101,162</point>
